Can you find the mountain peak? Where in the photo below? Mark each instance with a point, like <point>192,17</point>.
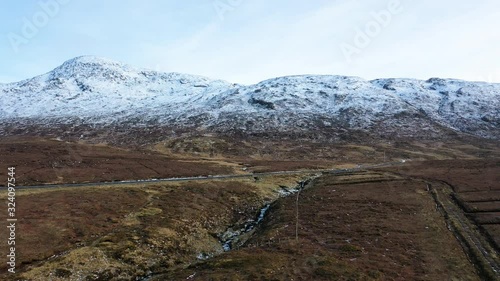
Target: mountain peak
<point>87,66</point>
<point>87,59</point>
<point>109,92</point>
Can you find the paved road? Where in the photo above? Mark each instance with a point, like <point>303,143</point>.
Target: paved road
<point>249,175</point>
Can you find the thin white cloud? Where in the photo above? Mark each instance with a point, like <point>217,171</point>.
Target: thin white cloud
<point>261,39</point>
<point>258,51</point>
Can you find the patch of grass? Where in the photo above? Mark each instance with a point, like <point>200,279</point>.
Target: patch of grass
<point>151,211</point>
<point>350,248</point>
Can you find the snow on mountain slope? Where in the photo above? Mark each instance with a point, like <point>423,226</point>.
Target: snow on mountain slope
<point>100,91</point>
<point>90,87</point>
<point>472,107</point>
<point>360,104</point>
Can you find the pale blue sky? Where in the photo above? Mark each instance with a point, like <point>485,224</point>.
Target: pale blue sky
<point>247,41</point>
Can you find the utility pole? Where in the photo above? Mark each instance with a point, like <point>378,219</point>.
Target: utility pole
<point>301,187</point>
<point>297,216</point>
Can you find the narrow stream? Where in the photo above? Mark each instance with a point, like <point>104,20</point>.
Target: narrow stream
<point>236,235</point>
<point>233,238</point>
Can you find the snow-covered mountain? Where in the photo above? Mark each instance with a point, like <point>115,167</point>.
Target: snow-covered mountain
<point>103,93</point>
<point>97,88</point>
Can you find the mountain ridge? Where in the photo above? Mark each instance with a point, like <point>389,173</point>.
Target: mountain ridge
<point>103,92</point>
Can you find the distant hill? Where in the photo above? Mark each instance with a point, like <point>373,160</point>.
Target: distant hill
<point>97,93</point>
